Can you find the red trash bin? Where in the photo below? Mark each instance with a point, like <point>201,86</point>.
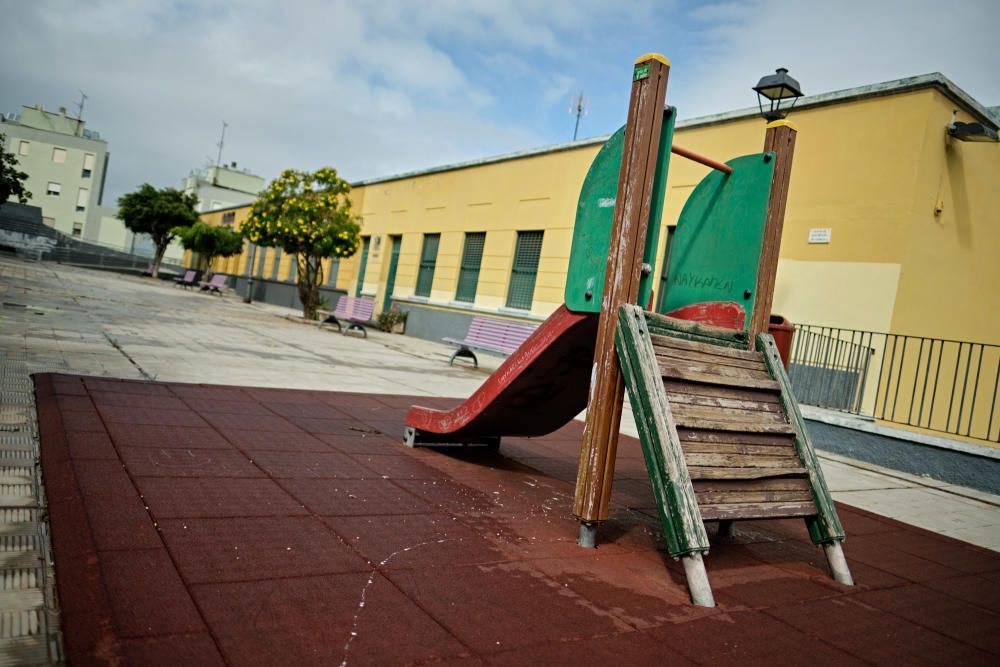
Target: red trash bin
<point>782,330</point>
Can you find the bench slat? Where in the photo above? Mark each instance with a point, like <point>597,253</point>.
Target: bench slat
<point>492,334</point>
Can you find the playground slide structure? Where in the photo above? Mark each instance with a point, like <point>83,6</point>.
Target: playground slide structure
<point>720,429</point>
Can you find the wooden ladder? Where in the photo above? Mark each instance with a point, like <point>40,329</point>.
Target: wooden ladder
<point>722,436</point>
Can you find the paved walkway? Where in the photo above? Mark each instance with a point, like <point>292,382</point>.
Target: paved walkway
<point>64,319</point>
<point>90,322</point>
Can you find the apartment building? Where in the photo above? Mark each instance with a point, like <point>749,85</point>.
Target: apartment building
<point>66,165</point>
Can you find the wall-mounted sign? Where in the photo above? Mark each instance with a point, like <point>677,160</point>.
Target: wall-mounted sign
<point>819,235</point>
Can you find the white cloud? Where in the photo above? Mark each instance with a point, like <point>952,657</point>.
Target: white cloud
<point>381,87</point>
<point>833,45</point>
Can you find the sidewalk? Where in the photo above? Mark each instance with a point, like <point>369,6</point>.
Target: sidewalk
<point>157,582</point>
<point>120,326</point>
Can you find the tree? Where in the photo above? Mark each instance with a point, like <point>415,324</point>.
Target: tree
<point>11,180</point>
<point>209,242</point>
<point>307,215</point>
<point>158,213</point>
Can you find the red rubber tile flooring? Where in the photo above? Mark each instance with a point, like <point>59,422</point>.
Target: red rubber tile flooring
<point>201,525</point>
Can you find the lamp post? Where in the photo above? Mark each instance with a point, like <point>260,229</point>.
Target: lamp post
<point>777,89</point>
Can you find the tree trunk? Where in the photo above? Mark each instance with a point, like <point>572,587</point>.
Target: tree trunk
<point>310,277</point>
<point>206,272</point>
<point>160,249</point>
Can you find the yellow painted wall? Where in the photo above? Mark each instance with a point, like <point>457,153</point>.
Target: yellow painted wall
<point>236,265</point>
<point>870,170</point>
<point>534,193</point>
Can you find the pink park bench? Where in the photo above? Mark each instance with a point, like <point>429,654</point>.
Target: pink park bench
<point>354,311</point>
<point>187,281</point>
<point>485,333</point>
<point>215,285</point>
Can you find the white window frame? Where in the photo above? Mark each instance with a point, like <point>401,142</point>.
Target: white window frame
<point>82,198</point>
<point>24,148</point>
<point>58,155</point>
<point>54,189</point>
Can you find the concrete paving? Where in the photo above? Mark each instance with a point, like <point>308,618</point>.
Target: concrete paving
<point>84,321</point>
<point>68,320</point>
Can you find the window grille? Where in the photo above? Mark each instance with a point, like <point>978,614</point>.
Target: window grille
<point>428,260</point>
<point>472,259</point>
<point>261,257</point>
<point>525,269</point>
<point>331,279</point>
<point>365,240</point>
<point>277,263</point>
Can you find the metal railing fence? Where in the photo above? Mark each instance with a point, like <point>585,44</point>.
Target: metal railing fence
<point>946,386</point>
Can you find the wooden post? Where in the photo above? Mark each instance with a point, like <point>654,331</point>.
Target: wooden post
<point>628,234</point>
<point>779,139</point>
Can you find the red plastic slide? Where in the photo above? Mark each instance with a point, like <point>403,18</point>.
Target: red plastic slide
<point>538,389</point>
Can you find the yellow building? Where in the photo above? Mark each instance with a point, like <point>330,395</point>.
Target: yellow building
<point>891,226</point>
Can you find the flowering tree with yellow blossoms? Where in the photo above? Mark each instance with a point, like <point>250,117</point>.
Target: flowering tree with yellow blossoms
<point>307,215</point>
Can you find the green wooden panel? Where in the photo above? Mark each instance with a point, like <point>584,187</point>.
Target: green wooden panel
<point>673,490</point>
<point>595,213</point>
<point>825,527</point>
<point>717,245</point>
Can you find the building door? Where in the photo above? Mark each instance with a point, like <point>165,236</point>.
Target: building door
<point>390,279</point>
<point>365,240</point>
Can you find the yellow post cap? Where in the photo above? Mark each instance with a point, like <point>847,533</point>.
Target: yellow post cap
<point>783,123</point>
<point>652,56</point>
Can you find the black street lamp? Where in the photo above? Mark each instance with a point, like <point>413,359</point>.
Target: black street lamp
<point>777,88</point>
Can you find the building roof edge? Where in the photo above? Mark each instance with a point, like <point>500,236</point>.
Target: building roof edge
<point>893,87</point>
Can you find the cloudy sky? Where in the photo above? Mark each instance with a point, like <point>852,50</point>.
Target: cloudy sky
<point>375,88</point>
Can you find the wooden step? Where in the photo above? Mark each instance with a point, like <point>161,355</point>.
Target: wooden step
<point>686,412</point>
<point>717,448</point>
<point>746,499</point>
<point>718,376</point>
<point>717,460</point>
<point>698,472</point>
<point>689,435</point>
<point>779,428</point>
<point>711,368</point>
<point>767,510</point>
<point>661,341</point>
<point>798,484</point>
<point>707,358</point>
<point>724,399</point>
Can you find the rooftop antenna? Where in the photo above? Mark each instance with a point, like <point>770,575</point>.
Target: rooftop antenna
<point>579,109</point>
<point>79,110</point>
<point>222,140</point>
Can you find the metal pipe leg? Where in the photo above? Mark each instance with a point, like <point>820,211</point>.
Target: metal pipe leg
<point>838,564</point>
<point>697,578</point>
<point>588,535</point>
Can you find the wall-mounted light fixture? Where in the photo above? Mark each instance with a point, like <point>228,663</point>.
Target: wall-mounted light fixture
<point>971,132</point>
